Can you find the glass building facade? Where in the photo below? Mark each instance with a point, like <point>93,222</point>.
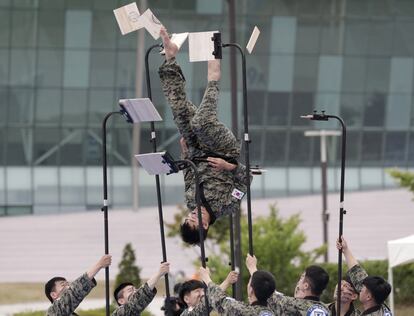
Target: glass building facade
<point>64,65</point>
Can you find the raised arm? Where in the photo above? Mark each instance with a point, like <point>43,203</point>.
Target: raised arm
<point>349,257</point>
<point>163,269</point>
<point>70,298</point>
<point>251,263</point>
<point>229,280</point>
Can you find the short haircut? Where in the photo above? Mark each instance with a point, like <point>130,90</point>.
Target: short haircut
<point>263,284</point>
<point>378,287</point>
<point>119,289</point>
<point>189,286</point>
<point>50,286</point>
<point>318,279</point>
<point>191,236</point>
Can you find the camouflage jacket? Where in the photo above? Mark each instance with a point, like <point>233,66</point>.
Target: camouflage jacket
<point>351,312</point>
<point>229,306</point>
<point>286,305</point>
<point>137,302</point>
<point>205,137</point>
<point>70,298</point>
<point>357,274</point>
<point>199,309</point>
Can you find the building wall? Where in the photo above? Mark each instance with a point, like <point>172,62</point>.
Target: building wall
<point>64,64</point>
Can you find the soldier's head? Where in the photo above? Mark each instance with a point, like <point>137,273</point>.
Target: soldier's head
<point>348,291</point>
<point>312,282</point>
<point>54,288</point>
<point>123,292</point>
<point>260,287</point>
<point>191,292</point>
<point>374,290</point>
<point>189,228</point>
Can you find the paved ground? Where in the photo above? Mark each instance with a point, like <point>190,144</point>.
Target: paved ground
<point>34,248</point>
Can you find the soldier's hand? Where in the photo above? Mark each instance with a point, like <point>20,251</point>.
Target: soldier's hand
<point>170,48</point>
<point>232,277</point>
<point>183,145</point>
<point>251,263</point>
<point>204,275</point>
<point>219,164</point>
<point>213,70</point>
<point>341,244</point>
<point>164,268</point>
<point>105,261</point>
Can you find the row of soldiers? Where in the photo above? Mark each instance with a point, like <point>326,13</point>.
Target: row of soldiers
<point>263,297</point>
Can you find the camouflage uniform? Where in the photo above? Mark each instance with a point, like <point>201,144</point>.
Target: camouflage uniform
<point>357,274</point>
<point>352,311</point>
<point>137,302</point>
<point>206,137</point>
<point>70,298</point>
<point>286,305</point>
<point>199,309</point>
<point>229,306</point>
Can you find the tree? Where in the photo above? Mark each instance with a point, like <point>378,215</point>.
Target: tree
<point>128,270</point>
<point>277,245</point>
<point>404,178</point>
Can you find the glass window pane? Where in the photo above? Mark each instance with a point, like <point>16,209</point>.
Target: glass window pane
<point>300,148</point>
<point>378,73</point>
<point>329,74</point>
<point>306,69</point>
<point>299,179</point>
<point>71,151</point>
<point>18,147</point>
<point>76,69</point>
<point>94,185</point>
<point>398,111</point>
<point>101,103</point>
<point>102,69</point>
<point>281,73</point>
<point>352,106</point>
<point>277,108</point>
<point>72,186</point>
<point>74,106</point>
<point>104,29</point>
<point>4,105</point>
<point>401,80</point>
<point>24,28</point>
<point>256,147</point>
<point>5,15</point>
<point>374,112</point>
<point>22,67</point>
<point>307,36</point>
<point>2,148</point>
<point>284,29</point>
<point>48,103</point>
<point>49,68</point>
<point>357,8</point>
<point>210,7</point>
<point>21,106</point>
<point>121,150</point>
<point>78,26</point>
<point>354,72</point>
<point>51,4</point>
<point>275,148</point>
<point>93,147</point>
<point>381,37</point>
<point>4,66</point>
<point>411,150</point>
<point>403,37</point>
<point>19,187</point>
<point>371,147</point>
<point>302,104</point>
<point>125,70</point>
<point>331,30</point>
<point>122,186</point>
<point>353,148</point>
<point>51,28</point>
<point>356,36</point>
<point>395,147</point>
<point>256,102</point>
<point>45,186</point>
<point>46,146</point>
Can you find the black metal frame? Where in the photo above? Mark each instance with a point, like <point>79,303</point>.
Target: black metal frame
<point>325,117</point>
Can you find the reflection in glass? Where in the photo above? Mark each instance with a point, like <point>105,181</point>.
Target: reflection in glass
<point>395,147</point>
<point>374,110</point>
<point>371,146</point>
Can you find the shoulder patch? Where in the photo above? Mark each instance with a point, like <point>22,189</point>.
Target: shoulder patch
<point>387,313</point>
<point>265,313</point>
<point>317,310</point>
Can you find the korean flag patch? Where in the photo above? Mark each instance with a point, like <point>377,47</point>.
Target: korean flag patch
<point>237,194</point>
<point>265,313</point>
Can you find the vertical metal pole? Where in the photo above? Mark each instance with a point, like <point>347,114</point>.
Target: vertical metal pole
<point>158,186</point>
<point>235,236</point>
<point>105,207</point>
<point>324,164</point>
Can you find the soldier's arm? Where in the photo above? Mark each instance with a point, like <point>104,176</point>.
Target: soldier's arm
<point>349,257</point>
<point>137,303</point>
<point>199,309</point>
<point>222,303</point>
<point>281,304</point>
<point>72,297</point>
